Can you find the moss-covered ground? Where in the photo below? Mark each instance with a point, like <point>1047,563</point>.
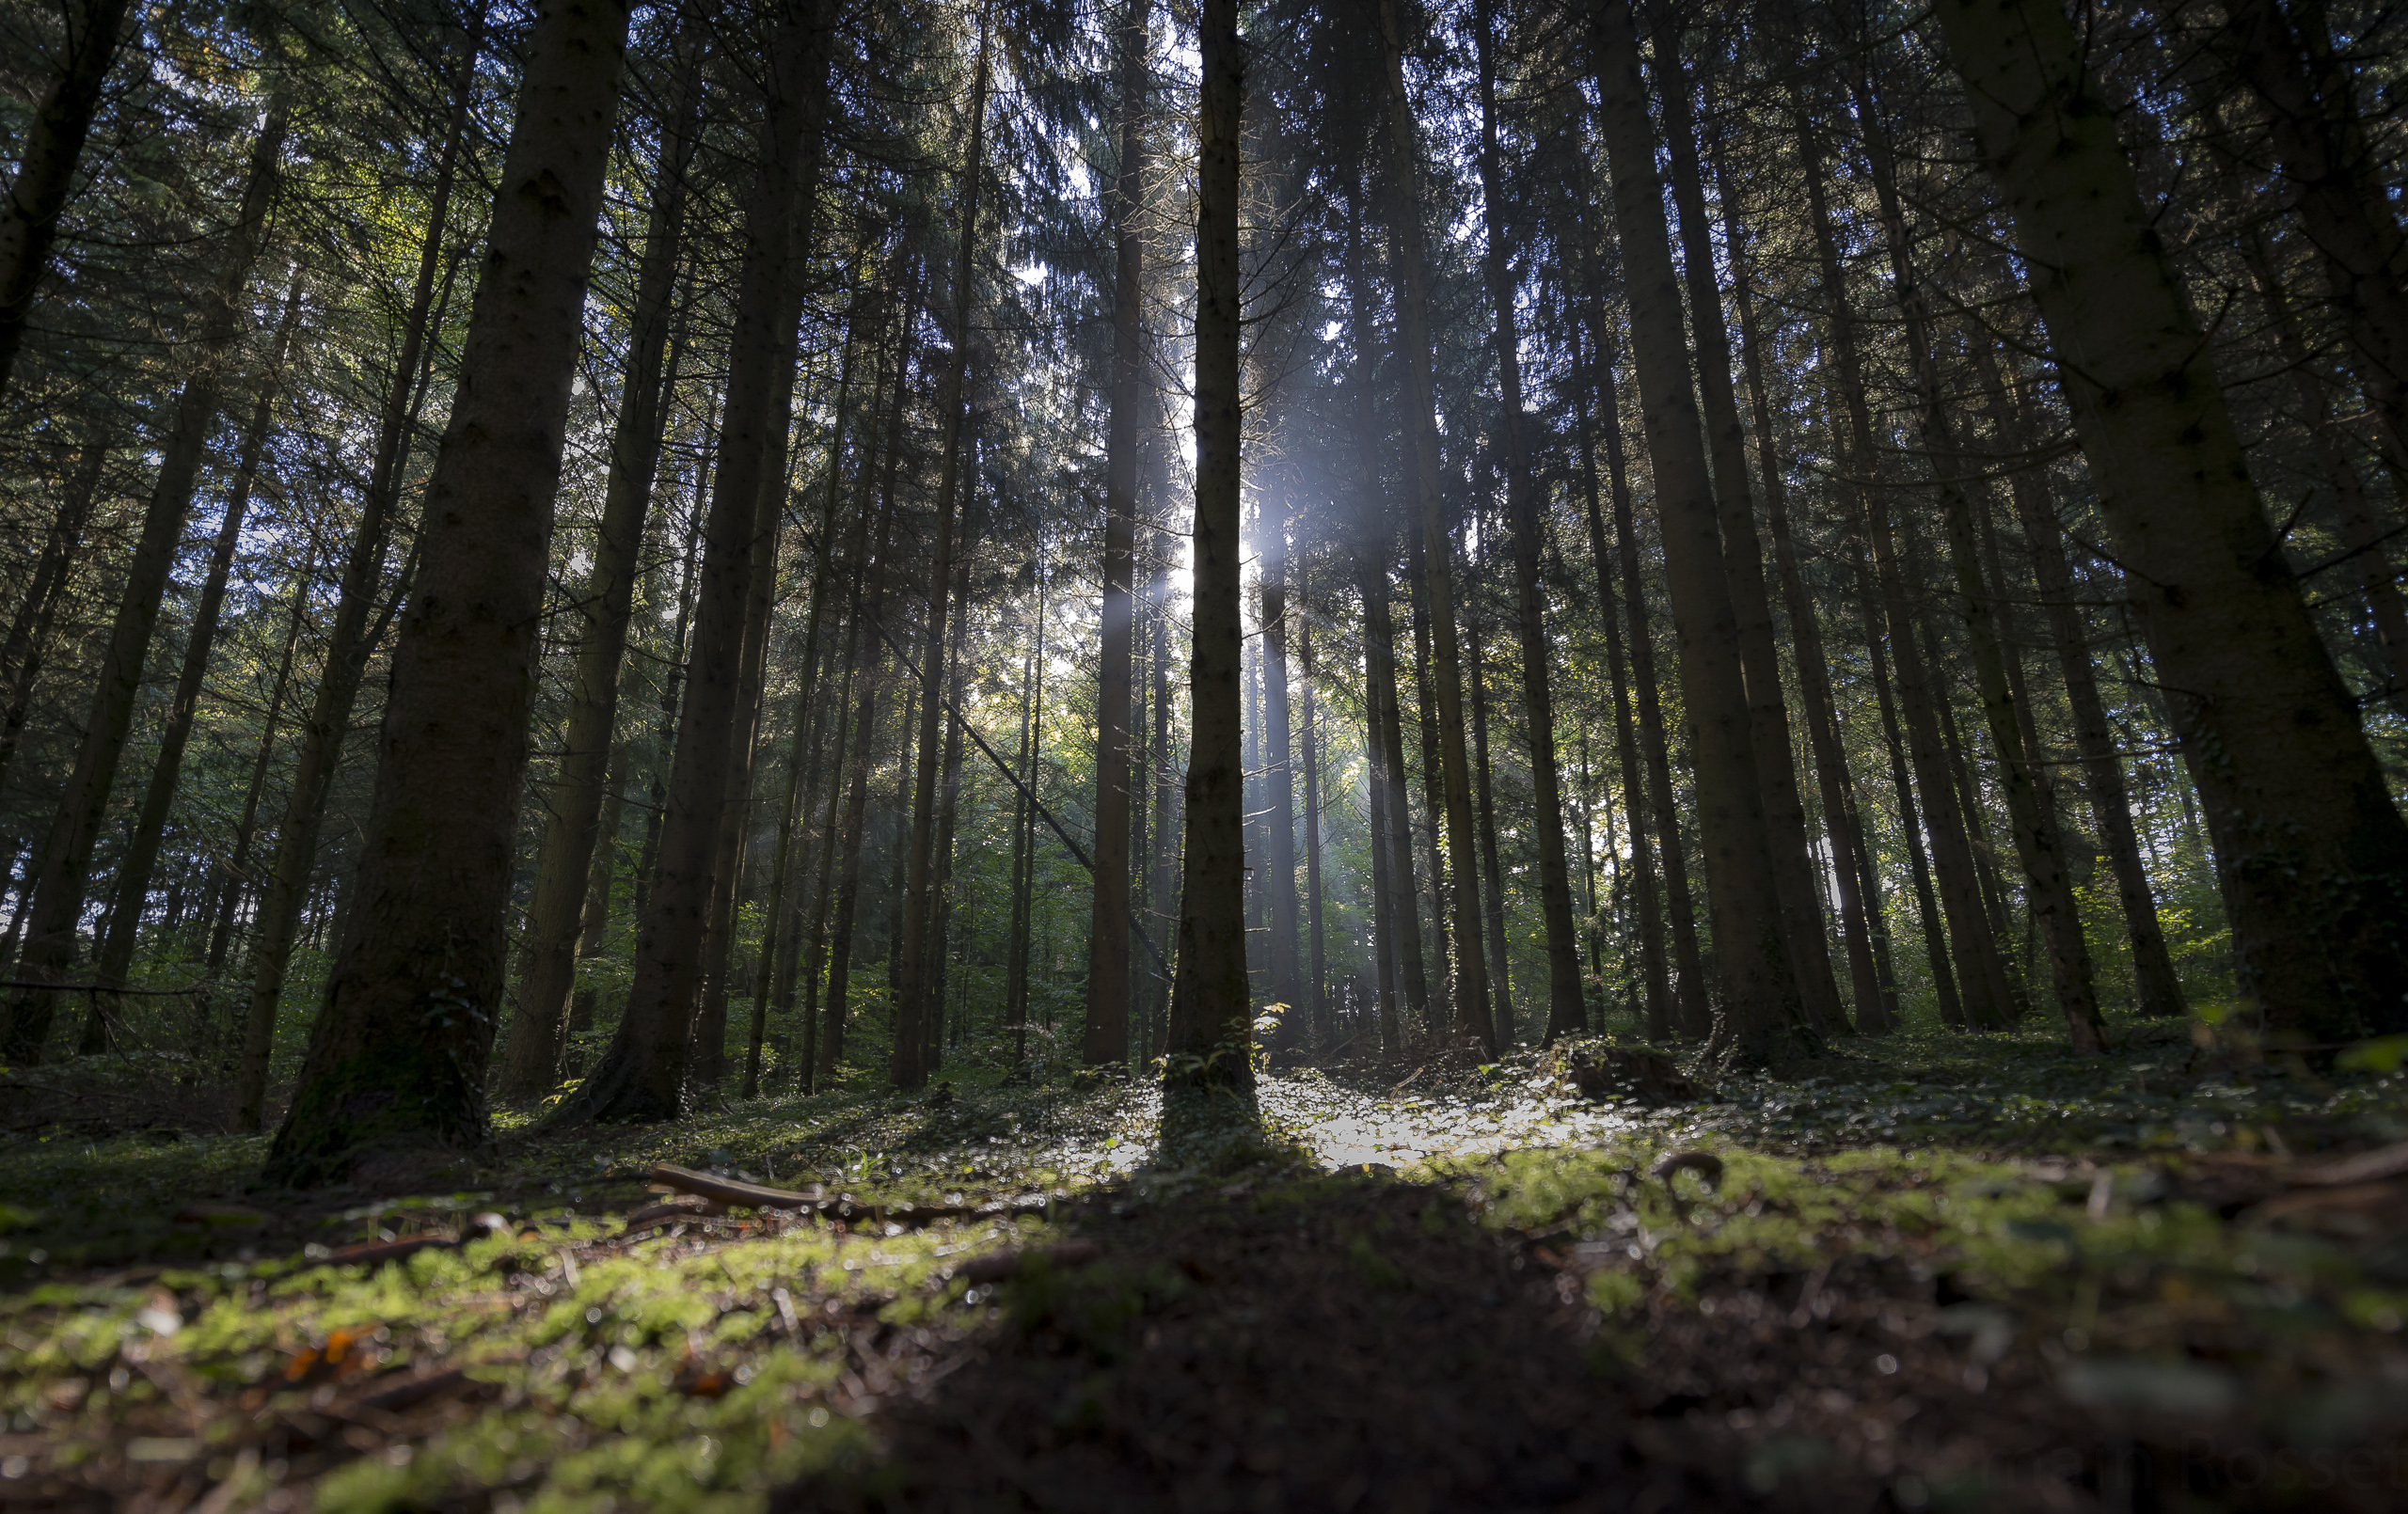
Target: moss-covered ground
<point>1935,1272</point>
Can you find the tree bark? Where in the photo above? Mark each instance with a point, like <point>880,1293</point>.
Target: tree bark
<point>349,643</point>
<point>596,916</point>
<point>1373,552</point>
<point>1209,1075</point>
<point>673,686</point>
<point>2156,988</point>
<point>397,1058</point>
<point>1106,1038</point>
<point>1315,969</point>
<point>1855,880</point>
<point>937,949</point>
<point>1280,784</point>
<point>1763,1018</point>
<point>1691,1004</point>
<point>46,165</point>
<point>1910,831</point>
<point>1024,833</point>
<point>2310,852</point>
<point>1434,779</point>
<point>532,1066</point>
<point>28,642</point>
<point>643,1076</point>
<point>1792,876</point>
<point>869,611</point>
<point>1979,982</point>
<point>1500,986</point>
<point>1565,1014</point>
<point>57,883</point>
<point>132,891</point>
<point>709,1035</point>
<point>237,867</point>
<point>1164,885</point>
<point>915,1013</point>
<point>1467,985</point>
<point>780,930</point>
<point>2030,815</point>
<point>1654,978</point>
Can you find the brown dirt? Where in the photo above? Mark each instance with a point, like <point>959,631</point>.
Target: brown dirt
<point>1367,1348</point>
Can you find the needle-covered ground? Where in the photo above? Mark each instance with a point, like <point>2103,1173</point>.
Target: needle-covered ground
<point>1935,1273</point>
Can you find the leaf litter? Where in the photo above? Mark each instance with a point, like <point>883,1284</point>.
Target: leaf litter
<point>1938,1273</point>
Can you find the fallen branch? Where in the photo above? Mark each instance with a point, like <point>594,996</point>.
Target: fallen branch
<point>744,1195</point>
<point>817,1200</point>
<point>2366,1167</point>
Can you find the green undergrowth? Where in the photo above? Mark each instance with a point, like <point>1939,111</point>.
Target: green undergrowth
<point>2122,1227</point>
<point>2166,1087</point>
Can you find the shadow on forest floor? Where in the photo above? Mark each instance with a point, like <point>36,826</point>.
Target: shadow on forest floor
<point>1935,1274</point>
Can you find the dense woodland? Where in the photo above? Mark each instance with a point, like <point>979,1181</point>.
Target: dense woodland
<point>631,558</point>
<point>1420,754</point>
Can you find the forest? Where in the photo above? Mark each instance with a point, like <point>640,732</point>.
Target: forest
<point>1405,754</point>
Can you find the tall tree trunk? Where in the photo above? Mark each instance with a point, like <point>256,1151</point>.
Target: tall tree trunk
<point>397,1058</point>
<point>1315,975</point>
<point>132,884</point>
<point>2310,852</point>
<point>937,949</point>
<point>857,654</point>
<point>1910,829</point>
<point>1564,1009</point>
<point>1434,779</point>
<point>1763,1017</point>
<point>1793,876</point>
<point>2156,988</point>
<point>1854,878</point>
<point>1384,888</point>
<point>899,808</point>
<point>1257,839</point>
<point>1373,553</point>
<point>1211,1041</point>
<point>807,1072</point>
<point>1634,803</point>
<point>709,1035</point>
<point>1691,1003</point>
<point>1980,978</point>
<point>596,916</point>
<point>349,643</point>
<point>53,145</point>
<point>1279,786</point>
<point>62,868</point>
<point>644,1076</point>
<point>1500,986</point>
<point>21,658</point>
<point>1165,886</point>
<point>1023,834</point>
<point>782,925</point>
<point>673,686</point>
<point>1106,1038</point>
<point>1467,985</point>
<point>237,867</point>
<point>868,614</point>
<point>913,1011</point>
<point>2030,816</point>
<point>532,1066</point>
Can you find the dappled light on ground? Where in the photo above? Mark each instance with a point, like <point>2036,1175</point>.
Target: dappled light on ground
<point>2076,1281</point>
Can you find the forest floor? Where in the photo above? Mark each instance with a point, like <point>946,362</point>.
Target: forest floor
<point>1940,1272</point>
